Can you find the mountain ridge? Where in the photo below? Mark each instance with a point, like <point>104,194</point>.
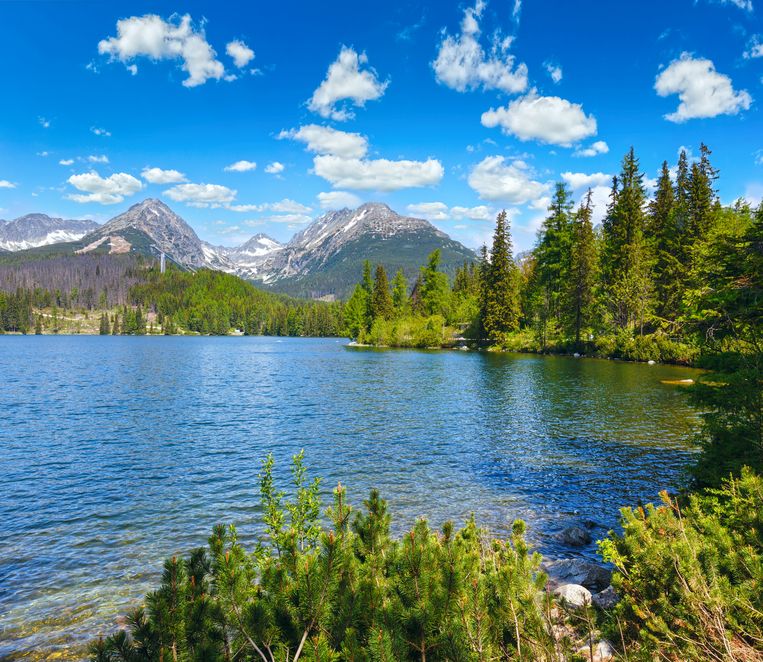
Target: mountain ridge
<point>323,260</point>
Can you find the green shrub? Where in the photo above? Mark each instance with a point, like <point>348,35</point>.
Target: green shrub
<point>690,577</point>
<point>346,591</point>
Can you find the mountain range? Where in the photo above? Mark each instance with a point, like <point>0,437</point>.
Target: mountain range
<point>324,260</point>
<point>35,230</point>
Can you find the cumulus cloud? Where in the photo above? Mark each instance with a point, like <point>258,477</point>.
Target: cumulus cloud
<point>439,211</point>
<point>338,200</point>
<point>596,148</point>
<point>201,195</point>
<point>495,179</point>
<point>4,183</point>
<point>581,180</point>
<point>756,50</point>
<point>283,206</point>
<point>745,5</point>
<point>241,166</point>
<point>240,52</point>
<point>275,168</point>
<point>432,211</point>
<point>66,162</point>
<point>106,191</point>
<point>703,91</point>
<point>463,64</point>
<point>176,39</point>
<point>346,81</point>
<point>554,71</point>
<point>551,120</point>
<point>98,158</point>
<point>325,140</point>
<point>377,174</point>
<point>99,131</point>
<point>159,176</point>
<point>478,213</point>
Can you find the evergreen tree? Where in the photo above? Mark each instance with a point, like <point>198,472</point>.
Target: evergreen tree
<point>664,212</point>
<point>626,262</point>
<point>400,299</point>
<point>38,325</point>
<point>552,260</point>
<point>356,319</point>
<point>104,327</point>
<point>583,271</point>
<point>381,300</point>
<point>434,286</point>
<point>500,292</point>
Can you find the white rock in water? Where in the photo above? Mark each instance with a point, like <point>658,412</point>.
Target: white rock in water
<point>576,355</point>
<point>650,362</point>
<point>573,595</point>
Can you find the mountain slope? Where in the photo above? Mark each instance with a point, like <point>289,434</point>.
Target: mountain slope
<point>151,227</point>
<point>326,258</point>
<point>34,230</point>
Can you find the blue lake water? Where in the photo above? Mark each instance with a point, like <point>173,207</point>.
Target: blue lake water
<point>116,452</point>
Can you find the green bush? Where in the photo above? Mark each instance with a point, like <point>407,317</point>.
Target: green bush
<point>690,577</point>
<point>346,591</point>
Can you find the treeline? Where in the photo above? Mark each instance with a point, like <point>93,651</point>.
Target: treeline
<point>635,287</point>
<point>212,302</point>
<point>81,281</point>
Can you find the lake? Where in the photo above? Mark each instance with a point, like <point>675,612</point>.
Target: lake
<point>116,452</point>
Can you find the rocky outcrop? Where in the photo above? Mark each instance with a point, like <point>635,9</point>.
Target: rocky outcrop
<point>573,595</point>
<point>577,571</point>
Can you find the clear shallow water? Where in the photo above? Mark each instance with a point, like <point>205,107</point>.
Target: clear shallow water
<point>116,452</point>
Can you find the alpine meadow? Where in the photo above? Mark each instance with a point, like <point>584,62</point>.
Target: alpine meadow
<point>371,332</point>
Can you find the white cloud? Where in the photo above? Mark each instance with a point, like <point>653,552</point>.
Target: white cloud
<point>338,200</point>
<point>432,211</point>
<point>478,213</point>
<point>438,211</point>
<point>345,81</point>
<point>494,179</point>
<point>756,50</point>
<point>100,132</point>
<point>66,162</point>
<point>548,119</point>
<point>462,64</point>
<point>758,155</point>
<point>159,176</point>
<point>746,5</point>
<point>596,148</point>
<point>241,166</point>
<point>44,123</point>
<point>554,71</point>
<point>4,183</point>
<point>98,158</point>
<point>201,195</point>
<point>293,219</point>
<point>177,39</point>
<point>325,140</point>
<point>703,91</point>
<point>43,154</point>
<point>240,52</point>
<point>275,168</point>
<point>106,191</point>
<point>581,180</point>
<point>377,174</point>
<point>284,206</point>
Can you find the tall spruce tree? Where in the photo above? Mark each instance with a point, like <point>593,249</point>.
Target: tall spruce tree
<point>626,257</point>
<point>552,260</point>
<point>581,292</point>
<point>400,299</point>
<point>500,289</point>
<point>665,237</point>
<point>381,301</point>
<point>434,286</point>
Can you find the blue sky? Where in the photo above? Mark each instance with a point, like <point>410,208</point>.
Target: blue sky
<point>445,110</point>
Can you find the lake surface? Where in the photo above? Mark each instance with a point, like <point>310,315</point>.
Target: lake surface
<point>116,452</point>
